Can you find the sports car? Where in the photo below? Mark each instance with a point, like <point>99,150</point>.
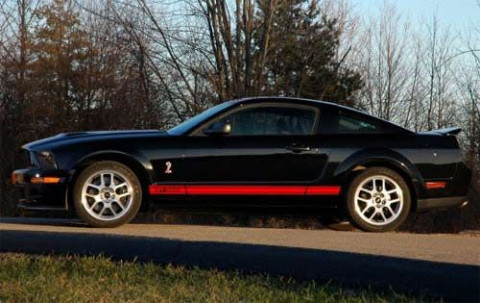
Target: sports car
<point>266,153</point>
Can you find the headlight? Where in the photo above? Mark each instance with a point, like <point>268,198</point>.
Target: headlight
<point>46,160</point>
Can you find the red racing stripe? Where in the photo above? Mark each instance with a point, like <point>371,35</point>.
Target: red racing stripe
<point>248,190</point>
<point>323,190</point>
<point>254,190</point>
<point>157,190</point>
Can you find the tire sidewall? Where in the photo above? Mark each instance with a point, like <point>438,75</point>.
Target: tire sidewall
<point>350,200</point>
<point>113,166</point>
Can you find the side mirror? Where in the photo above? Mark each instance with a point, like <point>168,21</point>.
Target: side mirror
<point>219,129</point>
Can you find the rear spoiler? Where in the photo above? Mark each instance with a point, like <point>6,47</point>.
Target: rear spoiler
<point>449,131</point>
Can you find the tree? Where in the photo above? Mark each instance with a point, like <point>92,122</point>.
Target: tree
<point>302,59</point>
<point>60,48</point>
<point>385,64</point>
<point>440,104</point>
<point>16,21</point>
<point>276,48</point>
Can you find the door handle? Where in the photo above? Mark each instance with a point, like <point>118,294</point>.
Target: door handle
<point>298,149</point>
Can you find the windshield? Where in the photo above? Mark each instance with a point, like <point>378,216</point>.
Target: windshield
<point>188,125</point>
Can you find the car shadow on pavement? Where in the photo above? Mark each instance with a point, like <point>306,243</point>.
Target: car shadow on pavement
<point>452,282</point>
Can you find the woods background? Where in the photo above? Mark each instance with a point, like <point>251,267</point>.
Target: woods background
<point>88,65</point>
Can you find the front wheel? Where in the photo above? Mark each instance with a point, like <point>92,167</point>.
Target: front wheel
<point>107,194</point>
<point>378,200</point>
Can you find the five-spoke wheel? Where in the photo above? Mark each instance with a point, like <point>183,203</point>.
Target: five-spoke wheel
<point>378,200</point>
<point>107,194</point>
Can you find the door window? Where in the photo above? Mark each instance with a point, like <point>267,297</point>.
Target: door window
<point>272,120</point>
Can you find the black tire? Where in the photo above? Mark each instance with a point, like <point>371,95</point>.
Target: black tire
<point>383,224</point>
<point>131,202</point>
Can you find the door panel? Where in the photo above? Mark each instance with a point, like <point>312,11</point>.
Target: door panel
<point>267,143</point>
<point>253,159</point>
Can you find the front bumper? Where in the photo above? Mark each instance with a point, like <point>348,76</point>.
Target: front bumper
<point>40,189</point>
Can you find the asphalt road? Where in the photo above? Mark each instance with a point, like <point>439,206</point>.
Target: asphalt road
<point>440,265</point>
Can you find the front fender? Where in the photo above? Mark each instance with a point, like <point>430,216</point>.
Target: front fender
<point>138,162</point>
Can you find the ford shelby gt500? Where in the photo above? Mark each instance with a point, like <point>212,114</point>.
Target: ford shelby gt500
<point>266,153</point>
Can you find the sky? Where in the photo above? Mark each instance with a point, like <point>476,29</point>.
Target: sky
<point>457,13</point>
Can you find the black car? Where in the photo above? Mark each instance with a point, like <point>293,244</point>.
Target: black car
<point>267,153</point>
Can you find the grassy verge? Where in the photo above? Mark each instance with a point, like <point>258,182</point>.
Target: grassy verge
<point>97,279</point>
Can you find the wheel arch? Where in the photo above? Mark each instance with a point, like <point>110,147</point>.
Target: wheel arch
<point>358,162</point>
<point>128,160</point>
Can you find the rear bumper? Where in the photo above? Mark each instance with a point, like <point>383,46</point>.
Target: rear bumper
<point>441,203</point>
<point>448,194</point>
<point>35,194</point>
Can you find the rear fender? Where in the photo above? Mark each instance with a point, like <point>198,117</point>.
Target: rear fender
<point>380,157</point>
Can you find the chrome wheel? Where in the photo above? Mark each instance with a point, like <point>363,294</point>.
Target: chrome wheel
<point>107,195</point>
<point>378,200</point>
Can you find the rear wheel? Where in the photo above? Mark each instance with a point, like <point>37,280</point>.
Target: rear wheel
<point>378,200</point>
<point>107,194</point>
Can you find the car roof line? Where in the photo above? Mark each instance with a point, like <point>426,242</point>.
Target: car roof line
<point>327,103</point>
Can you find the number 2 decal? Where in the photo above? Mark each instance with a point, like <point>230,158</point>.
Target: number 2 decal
<point>168,167</point>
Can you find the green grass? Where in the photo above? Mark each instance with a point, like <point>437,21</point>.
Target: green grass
<point>25,278</point>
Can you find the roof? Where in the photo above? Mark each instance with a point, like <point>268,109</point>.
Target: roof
<point>318,102</point>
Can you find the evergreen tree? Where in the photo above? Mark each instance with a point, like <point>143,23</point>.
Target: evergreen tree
<point>302,57</point>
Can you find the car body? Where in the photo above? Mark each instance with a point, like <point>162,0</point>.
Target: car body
<point>267,152</point>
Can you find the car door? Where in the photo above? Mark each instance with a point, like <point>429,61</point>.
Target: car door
<point>270,143</point>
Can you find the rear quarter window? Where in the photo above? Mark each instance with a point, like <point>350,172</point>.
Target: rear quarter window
<point>350,124</point>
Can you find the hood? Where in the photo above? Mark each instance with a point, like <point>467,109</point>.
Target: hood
<point>64,138</point>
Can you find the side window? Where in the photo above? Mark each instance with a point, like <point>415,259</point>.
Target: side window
<point>348,124</point>
<point>272,120</point>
